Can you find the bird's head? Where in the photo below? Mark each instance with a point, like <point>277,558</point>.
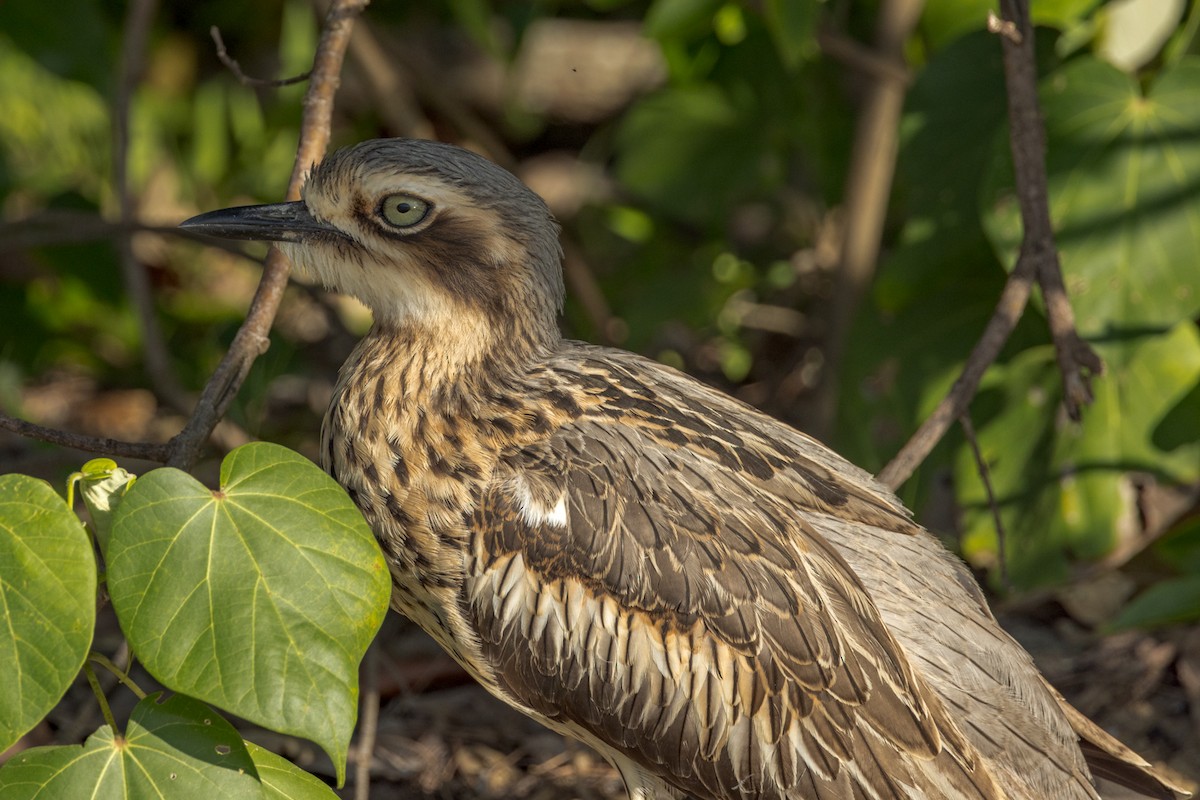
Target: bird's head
<point>424,233</point>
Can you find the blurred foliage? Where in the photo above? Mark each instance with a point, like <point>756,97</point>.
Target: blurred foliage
<point>712,234</point>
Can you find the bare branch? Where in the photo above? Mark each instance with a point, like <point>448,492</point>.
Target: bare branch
<point>434,92</point>
<point>1038,260</point>
<point>1004,319</point>
<point>251,339</point>
<point>91,444</point>
<point>59,227</point>
<point>1077,361</point>
<point>236,68</point>
<point>395,100</point>
<point>868,185</point>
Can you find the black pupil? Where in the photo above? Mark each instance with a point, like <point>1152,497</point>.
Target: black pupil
<point>404,207</point>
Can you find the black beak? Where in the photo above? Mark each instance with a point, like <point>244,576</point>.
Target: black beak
<point>277,222</point>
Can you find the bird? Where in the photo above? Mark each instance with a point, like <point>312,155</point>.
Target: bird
<point>719,604</point>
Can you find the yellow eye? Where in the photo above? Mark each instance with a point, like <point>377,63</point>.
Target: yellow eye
<point>403,210</point>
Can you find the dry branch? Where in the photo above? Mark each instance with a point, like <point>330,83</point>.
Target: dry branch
<point>1077,361</point>
<point>1037,260</point>
<point>251,339</point>
<point>91,444</point>
<point>868,186</point>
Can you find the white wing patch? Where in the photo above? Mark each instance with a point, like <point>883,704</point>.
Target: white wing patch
<point>534,511</point>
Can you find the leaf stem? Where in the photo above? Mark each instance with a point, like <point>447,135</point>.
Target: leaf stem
<point>72,480</point>
<point>100,697</point>
<point>120,674</point>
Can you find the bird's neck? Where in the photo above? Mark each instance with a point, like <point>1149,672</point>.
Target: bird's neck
<point>412,372</point>
<point>469,348</point>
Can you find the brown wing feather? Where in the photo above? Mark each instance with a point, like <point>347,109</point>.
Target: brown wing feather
<point>678,610</point>
<point>1110,759</point>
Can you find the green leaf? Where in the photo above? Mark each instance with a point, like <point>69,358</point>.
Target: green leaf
<point>174,747</point>
<point>958,97</point>
<point>1170,602</point>
<point>680,18</point>
<point>475,17</point>
<point>944,22</point>
<point>260,597</point>
<point>1014,414</point>
<point>1180,547</point>
<point>1061,13</point>
<point>664,137</point>
<point>793,29</point>
<point>48,600</point>
<point>1124,172</point>
<point>283,780</point>
<point>1064,488</point>
<point>908,345</point>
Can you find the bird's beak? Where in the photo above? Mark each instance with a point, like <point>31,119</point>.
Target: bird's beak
<point>277,222</point>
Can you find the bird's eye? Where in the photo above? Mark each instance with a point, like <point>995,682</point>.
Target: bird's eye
<point>403,210</point>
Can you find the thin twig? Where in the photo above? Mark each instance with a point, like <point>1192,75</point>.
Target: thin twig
<point>137,284</point>
<point>251,339</point>
<point>368,725</point>
<point>82,723</point>
<point>868,185</point>
<point>1038,260</point>
<point>1077,361</point>
<point>1004,320</point>
<point>985,476</point>
<point>91,444</point>
<point>233,66</point>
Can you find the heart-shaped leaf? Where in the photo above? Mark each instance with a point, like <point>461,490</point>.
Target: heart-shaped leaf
<point>48,600</point>
<point>260,597</point>
<point>174,747</point>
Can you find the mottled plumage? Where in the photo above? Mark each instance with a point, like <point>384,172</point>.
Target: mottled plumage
<point>719,604</point>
